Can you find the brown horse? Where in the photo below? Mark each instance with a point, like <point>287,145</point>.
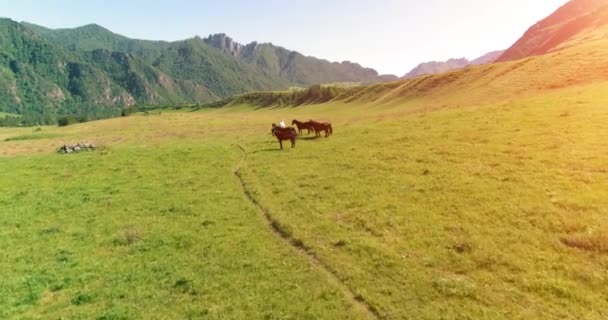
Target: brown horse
<point>319,127</point>
<point>302,126</point>
<point>284,134</point>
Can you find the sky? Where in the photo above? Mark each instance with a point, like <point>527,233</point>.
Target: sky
<point>391,36</point>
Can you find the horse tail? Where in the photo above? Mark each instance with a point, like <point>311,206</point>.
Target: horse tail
<point>331,131</point>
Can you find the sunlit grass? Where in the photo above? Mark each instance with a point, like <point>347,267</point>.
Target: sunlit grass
<point>495,210</point>
<point>146,233</point>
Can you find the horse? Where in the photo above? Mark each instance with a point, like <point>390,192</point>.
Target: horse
<point>302,126</point>
<point>318,127</point>
<point>284,134</point>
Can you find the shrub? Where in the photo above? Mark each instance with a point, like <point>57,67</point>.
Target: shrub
<point>129,111</point>
<point>67,120</point>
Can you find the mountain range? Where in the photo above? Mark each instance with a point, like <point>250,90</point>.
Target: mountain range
<point>91,70</point>
<point>569,48</point>
<point>95,71</point>
<point>436,67</point>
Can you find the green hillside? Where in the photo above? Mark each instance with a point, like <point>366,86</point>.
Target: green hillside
<point>302,70</point>
<point>39,76</point>
<point>195,60</point>
<point>43,78</point>
<point>92,37</point>
<point>146,82</point>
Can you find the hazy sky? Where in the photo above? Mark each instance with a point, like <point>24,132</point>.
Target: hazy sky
<point>391,36</point>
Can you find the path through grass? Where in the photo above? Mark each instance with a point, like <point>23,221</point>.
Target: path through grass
<point>143,233</point>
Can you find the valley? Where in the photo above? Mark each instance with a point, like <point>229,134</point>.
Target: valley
<point>475,193</point>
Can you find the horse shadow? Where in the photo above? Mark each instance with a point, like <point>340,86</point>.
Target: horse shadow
<point>269,150</point>
<point>309,138</point>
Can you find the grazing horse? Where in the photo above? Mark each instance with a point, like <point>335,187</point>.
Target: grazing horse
<point>284,134</point>
<point>302,126</point>
<point>318,127</point>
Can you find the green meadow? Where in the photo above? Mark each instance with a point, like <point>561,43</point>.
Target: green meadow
<point>137,232</point>
<point>489,210</point>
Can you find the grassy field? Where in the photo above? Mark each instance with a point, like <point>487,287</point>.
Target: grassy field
<point>492,210</point>
<point>136,232</point>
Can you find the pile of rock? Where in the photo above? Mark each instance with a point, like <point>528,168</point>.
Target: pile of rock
<point>79,147</point>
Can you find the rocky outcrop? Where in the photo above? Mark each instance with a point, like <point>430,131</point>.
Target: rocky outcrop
<point>437,67</point>
<point>79,147</point>
<point>56,94</point>
<point>224,43</point>
<point>489,57</point>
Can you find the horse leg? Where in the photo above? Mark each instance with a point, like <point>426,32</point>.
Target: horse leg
<point>281,143</point>
<point>293,143</point>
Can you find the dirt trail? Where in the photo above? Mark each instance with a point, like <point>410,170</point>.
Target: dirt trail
<point>357,300</point>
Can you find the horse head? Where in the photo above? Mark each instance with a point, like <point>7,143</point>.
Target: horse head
<point>274,126</point>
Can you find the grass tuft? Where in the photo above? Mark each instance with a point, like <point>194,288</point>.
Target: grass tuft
<point>185,286</point>
<point>81,299</point>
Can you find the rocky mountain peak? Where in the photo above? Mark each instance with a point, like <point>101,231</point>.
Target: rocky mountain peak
<point>224,43</point>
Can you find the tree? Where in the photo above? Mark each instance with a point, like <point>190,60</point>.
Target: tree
<point>66,120</point>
